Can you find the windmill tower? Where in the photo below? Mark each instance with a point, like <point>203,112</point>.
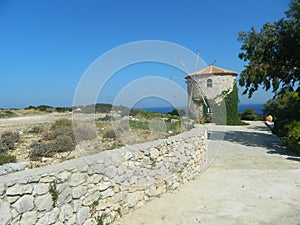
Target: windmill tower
<point>206,86</point>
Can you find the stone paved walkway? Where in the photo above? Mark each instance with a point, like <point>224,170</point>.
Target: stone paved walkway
<point>251,181</point>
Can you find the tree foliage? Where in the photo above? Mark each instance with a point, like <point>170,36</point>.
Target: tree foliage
<point>231,101</point>
<point>250,114</point>
<point>273,54</point>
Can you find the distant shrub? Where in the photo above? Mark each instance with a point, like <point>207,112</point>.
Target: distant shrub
<point>6,114</point>
<point>36,130</point>
<point>44,108</point>
<point>105,118</point>
<point>54,133</point>
<point>177,112</point>
<point>61,123</point>
<point>40,149</point>
<point>143,125</point>
<point>250,114</point>
<point>6,158</point>
<point>84,133</point>
<point>63,109</point>
<point>8,141</point>
<point>109,134</point>
<point>63,143</point>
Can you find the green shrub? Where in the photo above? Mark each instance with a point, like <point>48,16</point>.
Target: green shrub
<point>84,133</point>
<point>63,143</point>
<point>250,114</point>
<point>231,101</point>
<point>292,137</point>
<point>109,134</point>
<point>105,118</point>
<point>6,158</point>
<point>36,130</point>
<point>61,123</point>
<point>8,141</point>
<point>177,112</point>
<point>143,125</point>
<point>40,149</point>
<point>6,114</point>
<point>54,133</point>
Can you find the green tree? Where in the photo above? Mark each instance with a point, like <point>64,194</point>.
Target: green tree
<point>250,114</point>
<point>177,112</point>
<point>273,54</point>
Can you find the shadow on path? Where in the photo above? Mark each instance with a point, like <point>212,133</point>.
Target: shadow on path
<point>254,138</point>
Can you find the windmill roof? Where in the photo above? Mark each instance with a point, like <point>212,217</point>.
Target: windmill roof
<point>212,70</point>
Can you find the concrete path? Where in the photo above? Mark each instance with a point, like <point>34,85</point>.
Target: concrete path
<point>251,181</point>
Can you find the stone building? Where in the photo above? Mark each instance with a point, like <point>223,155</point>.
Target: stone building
<point>206,87</point>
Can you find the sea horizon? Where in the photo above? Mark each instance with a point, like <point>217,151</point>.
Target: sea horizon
<point>165,109</point>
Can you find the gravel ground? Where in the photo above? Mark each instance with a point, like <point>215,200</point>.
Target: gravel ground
<point>252,180</point>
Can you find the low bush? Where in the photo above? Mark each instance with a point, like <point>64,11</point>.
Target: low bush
<point>6,158</point>
<point>40,149</point>
<point>8,141</point>
<point>6,114</point>
<point>143,125</point>
<point>84,133</point>
<point>105,118</point>
<point>36,130</point>
<point>292,137</point>
<point>63,143</point>
<point>109,134</point>
<point>54,133</point>
<point>250,114</point>
<point>61,123</point>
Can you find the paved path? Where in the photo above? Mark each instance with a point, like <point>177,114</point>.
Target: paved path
<point>251,181</point>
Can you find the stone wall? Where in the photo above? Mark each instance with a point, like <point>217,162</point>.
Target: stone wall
<point>102,187</point>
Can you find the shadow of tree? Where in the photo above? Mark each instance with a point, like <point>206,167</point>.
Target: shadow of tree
<point>255,139</point>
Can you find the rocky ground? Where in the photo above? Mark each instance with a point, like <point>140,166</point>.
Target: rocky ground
<point>25,126</point>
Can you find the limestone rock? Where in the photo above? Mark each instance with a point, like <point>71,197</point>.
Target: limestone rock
<point>103,186</point>
<point>111,171</point>
<point>64,176</point>
<point>77,178</point>
<point>24,204</point>
<point>77,205</point>
<point>49,217</point>
<point>151,190</point>
<point>133,198</point>
<point>19,190</point>
<point>5,216</point>
<point>28,218</point>
<point>65,194</point>
<point>66,212</point>
<point>2,189</point>
<point>44,202</point>
<point>79,191</point>
<point>94,179</point>
<point>40,189</point>
<point>12,199</point>
<point>154,153</point>
<point>83,214</point>
<point>91,198</point>
<point>107,193</point>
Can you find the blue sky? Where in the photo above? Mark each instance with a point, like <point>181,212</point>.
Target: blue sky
<point>46,46</point>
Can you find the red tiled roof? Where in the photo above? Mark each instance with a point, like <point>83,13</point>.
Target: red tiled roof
<point>212,70</point>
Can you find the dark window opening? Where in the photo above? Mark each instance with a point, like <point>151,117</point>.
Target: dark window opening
<point>209,83</point>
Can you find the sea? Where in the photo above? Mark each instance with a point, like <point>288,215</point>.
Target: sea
<point>241,108</point>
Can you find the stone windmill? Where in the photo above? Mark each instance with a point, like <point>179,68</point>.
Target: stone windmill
<point>205,89</point>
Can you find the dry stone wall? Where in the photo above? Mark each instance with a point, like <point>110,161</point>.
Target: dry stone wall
<point>100,188</point>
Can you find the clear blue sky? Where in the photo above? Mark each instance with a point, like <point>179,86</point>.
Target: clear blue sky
<point>46,46</point>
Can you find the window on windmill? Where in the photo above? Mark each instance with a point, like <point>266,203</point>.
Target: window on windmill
<point>209,83</point>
